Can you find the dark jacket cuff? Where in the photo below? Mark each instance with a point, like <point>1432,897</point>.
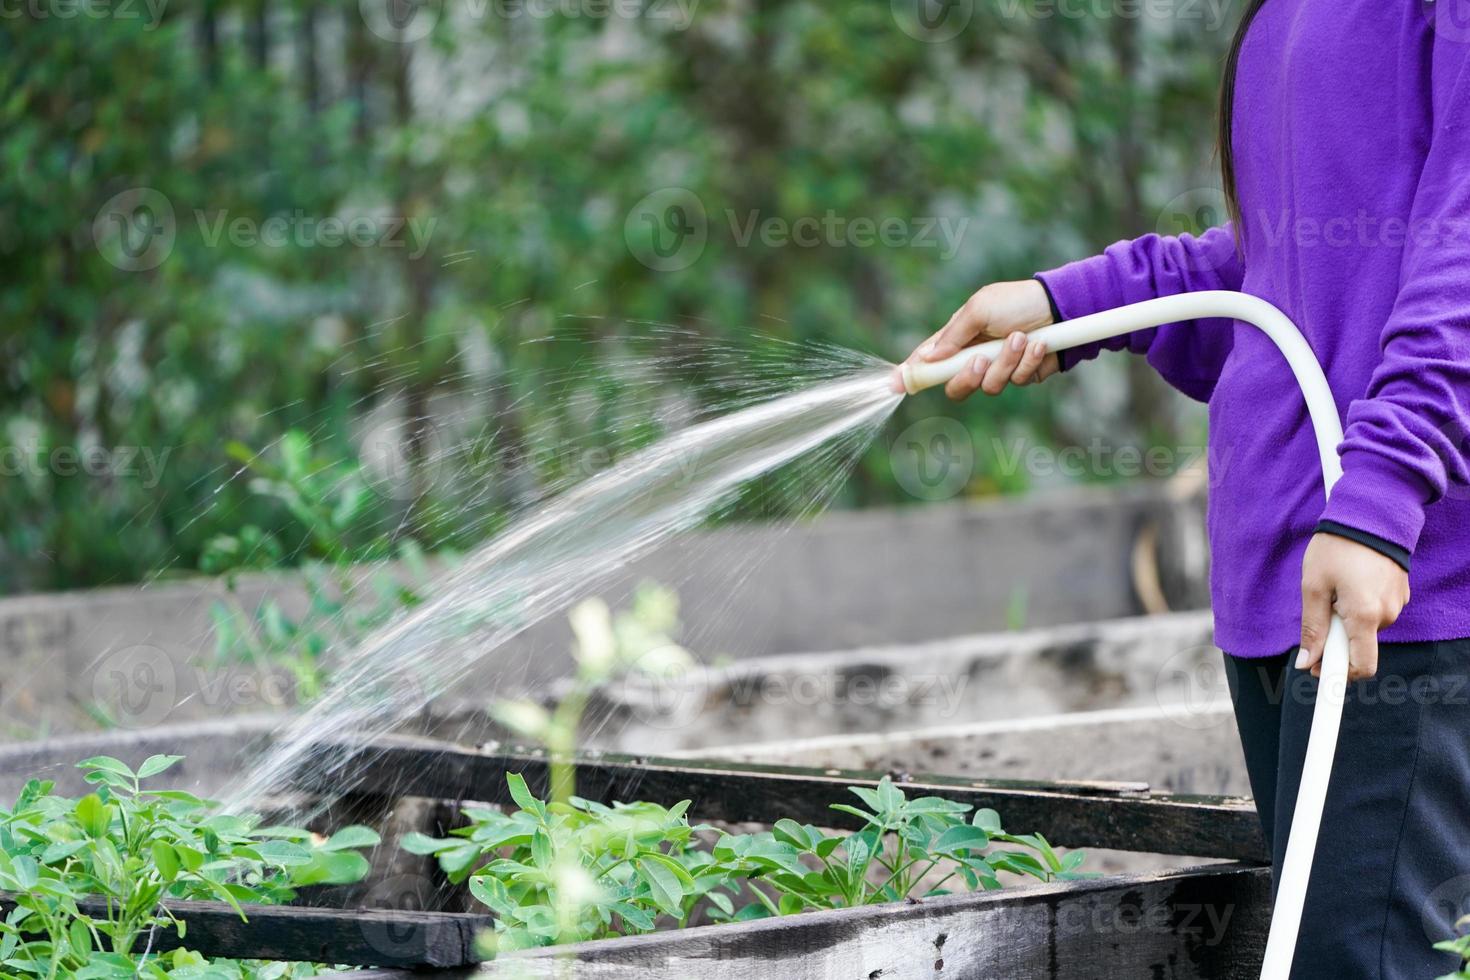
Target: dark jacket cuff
<point>1056,312</point>
<point>1388,549</point>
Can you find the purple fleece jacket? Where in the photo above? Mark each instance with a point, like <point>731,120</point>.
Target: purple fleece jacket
<point>1352,150</point>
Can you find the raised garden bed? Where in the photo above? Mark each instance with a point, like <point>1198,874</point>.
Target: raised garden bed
<point>137,650</point>
<point>1208,922</point>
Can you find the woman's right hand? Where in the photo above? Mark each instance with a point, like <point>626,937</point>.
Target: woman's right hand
<point>1001,309</point>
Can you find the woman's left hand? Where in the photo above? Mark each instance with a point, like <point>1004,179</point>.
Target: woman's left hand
<point>1367,589</point>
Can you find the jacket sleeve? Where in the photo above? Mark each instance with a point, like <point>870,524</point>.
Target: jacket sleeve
<point>1408,437</point>
<point>1188,355</point>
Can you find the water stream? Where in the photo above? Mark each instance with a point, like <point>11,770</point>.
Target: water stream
<point>560,552</point>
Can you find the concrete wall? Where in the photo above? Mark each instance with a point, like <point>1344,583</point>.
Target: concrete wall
<point>1146,661</point>
<point>851,579</point>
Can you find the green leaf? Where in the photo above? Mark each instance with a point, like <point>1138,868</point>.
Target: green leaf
<point>26,871</point>
<point>1017,863</point>
<point>639,919</point>
<point>80,940</point>
<point>936,805</point>
<point>417,843</point>
<point>890,797</point>
<point>166,859</point>
<point>987,819</point>
<point>863,814</point>
<point>106,763</point>
<point>491,892</point>
<point>457,860</point>
<point>722,902</point>
<point>961,837</point>
<point>521,793</point>
<point>61,850</point>
<point>664,886</point>
<point>354,836</point>
<point>283,854</point>
<point>541,852</point>
<point>792,833</point>
<point>155,764</point>
<point>191,859</point>
<point>332,868</point>
<point>93,815</point>
<point>686,880</point>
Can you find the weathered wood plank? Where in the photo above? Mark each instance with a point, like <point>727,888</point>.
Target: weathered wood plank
<point>1072,815</point>
<point>1199,924</point>
<point>352,937</point>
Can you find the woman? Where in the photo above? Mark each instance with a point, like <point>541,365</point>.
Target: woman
<point>1345,142</point>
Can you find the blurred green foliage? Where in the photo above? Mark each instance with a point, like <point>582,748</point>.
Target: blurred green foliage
<point>507,328</point>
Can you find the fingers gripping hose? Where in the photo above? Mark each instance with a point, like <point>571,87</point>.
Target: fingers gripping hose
<point>1291,890</point>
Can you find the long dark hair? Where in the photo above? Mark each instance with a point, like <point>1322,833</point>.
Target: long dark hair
<point>1227,110</point>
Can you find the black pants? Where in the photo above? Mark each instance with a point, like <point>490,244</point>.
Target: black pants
<point>1392,872</point>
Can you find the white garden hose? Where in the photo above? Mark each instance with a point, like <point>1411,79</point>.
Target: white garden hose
<point>1296,869</point>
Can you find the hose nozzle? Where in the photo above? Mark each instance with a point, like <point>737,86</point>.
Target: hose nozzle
<point>919,375</point>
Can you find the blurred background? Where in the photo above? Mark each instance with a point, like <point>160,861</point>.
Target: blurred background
<point>286,281</point>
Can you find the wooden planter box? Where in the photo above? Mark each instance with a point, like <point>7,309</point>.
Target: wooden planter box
<point>1192,923</point>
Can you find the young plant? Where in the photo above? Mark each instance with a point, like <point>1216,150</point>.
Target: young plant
<point>577,870</point>
<point>132,848</point>
<point>637,865</point>
<point>606,648</point>
<point>903,844</point>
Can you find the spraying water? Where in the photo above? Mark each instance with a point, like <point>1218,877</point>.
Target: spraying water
<point>560,552</point>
